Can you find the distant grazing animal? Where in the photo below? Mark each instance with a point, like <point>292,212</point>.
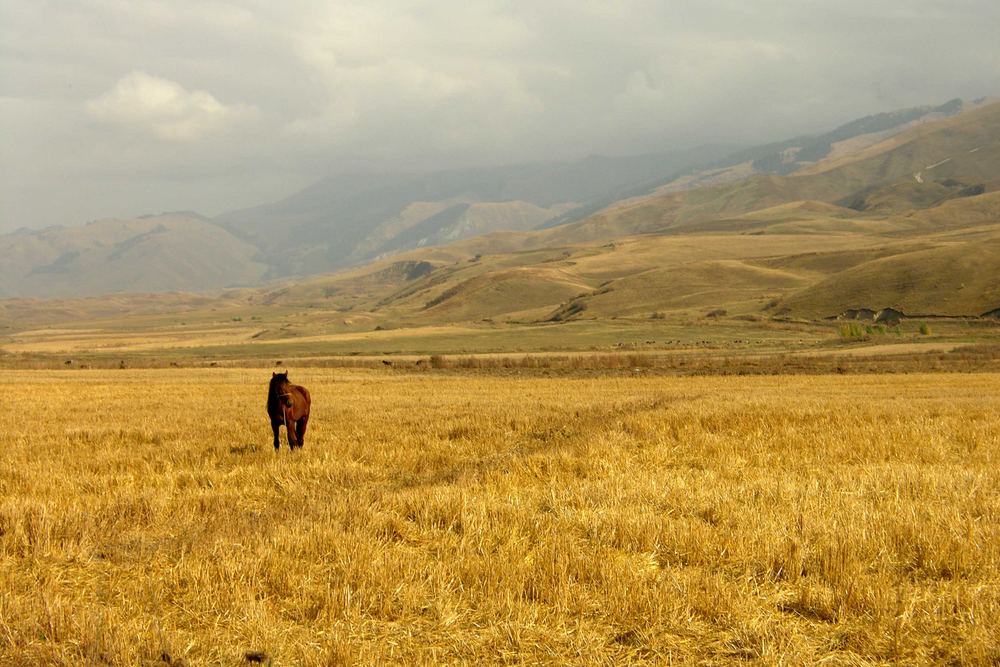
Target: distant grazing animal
<point>288,404</point>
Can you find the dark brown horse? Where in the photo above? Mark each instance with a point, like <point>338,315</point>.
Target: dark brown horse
<point>288,405</point>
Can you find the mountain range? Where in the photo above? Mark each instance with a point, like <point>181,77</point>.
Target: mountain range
<point>904,219</point>
<point>337,222</point>
<point>355,219</point>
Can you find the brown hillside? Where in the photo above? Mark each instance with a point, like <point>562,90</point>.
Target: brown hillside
<point>701,286</point>
<point>502,293</point>
<point>973,130</point>
<point>956,278</point>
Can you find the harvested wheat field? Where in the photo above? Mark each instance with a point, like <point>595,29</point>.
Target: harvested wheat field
<point>438,518</point>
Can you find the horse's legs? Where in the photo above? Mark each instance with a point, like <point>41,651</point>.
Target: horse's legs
<point>300,430</point>
<point>293,442</point>
<point>274,427</point>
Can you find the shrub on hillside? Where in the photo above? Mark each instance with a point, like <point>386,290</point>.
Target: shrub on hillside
<point>851,331</point>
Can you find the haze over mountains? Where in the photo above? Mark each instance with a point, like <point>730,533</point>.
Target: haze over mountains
<point>346,220</point>
<point>334,223</point>
<point>897,210</point>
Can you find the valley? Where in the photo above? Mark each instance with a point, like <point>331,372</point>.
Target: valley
<point>770,264</point>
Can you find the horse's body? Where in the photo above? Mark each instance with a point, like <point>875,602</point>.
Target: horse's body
<point>288,404</point>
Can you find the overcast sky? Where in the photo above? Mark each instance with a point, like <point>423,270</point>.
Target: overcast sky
<point>123,107</point>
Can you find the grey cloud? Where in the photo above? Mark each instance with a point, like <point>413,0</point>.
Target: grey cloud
<point>120,108</point>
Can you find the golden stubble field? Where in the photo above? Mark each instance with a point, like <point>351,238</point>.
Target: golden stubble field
<point>435,518</point>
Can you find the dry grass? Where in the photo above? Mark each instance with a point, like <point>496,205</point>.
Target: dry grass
<point>145,519</point>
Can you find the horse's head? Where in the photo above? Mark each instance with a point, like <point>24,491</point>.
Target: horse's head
<point>281,388</point>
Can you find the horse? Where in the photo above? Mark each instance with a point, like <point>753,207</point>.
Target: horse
<point>288,404</point>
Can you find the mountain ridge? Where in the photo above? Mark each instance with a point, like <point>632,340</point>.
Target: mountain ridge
<point>924,165</point>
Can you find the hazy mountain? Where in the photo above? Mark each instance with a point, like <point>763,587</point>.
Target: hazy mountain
<point>334,223</point>
<point>350,219</point>
<point>909,222</point>
<point>919,167</point>
<point>800,153</point>
<point>172,251</point>
<point>876,168</point>
<point>788,156</point>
